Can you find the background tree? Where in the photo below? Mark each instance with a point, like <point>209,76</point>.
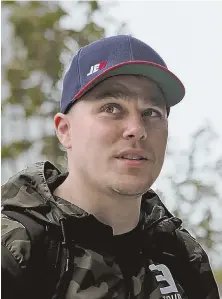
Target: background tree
<point>36,49</point>
<point>193,179</point>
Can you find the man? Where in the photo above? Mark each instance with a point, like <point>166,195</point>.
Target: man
<point>118,239</point>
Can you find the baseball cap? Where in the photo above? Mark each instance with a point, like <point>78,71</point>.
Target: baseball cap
<point>118,55</point>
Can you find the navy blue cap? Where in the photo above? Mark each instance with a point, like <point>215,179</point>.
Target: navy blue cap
<point>118,55</point>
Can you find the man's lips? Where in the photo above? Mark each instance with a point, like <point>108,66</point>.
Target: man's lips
<point>132,154</point>
<point>132,162</point>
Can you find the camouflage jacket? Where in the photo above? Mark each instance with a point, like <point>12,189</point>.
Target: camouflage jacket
<point>157,260</point>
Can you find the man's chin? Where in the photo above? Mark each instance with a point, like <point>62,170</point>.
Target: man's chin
<point>130,192</point>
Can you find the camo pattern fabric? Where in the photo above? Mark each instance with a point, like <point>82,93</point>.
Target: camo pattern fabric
<point>16,240</point>
<point>95,275</point>
<point>98,276</point>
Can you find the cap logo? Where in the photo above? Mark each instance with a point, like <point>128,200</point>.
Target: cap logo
<point>95,68</point>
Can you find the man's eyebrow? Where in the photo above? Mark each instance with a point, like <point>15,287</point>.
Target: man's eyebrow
<point>114,91</point>
<point>118,91</point>
<point>158,101</point>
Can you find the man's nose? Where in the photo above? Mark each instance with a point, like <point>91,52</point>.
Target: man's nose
<point>135,129</point>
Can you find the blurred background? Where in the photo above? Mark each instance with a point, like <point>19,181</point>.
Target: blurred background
<point>38,41</point>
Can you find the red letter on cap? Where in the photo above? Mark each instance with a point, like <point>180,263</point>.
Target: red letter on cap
<point>102,65</point>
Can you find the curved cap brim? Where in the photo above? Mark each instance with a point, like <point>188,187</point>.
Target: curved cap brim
<point>172,88</point>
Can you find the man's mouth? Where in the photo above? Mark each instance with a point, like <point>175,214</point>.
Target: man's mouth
<point>132,157</point>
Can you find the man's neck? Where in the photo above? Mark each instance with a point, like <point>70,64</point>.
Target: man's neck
<point>118,211</point>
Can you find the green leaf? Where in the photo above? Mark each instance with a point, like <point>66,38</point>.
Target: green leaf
<point>94,5</point>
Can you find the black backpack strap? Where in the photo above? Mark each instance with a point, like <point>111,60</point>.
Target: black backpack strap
<point>45,247</point>
<point>35,229</point>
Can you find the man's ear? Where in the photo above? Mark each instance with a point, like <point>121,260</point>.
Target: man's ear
<point>62,127</point>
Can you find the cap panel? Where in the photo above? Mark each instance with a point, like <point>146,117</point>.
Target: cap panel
<point>71,83</point>
<point>142,51</point>
<point>102,55</point>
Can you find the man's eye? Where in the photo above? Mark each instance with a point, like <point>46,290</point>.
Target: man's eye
<point>152,113</point>
<point>111,108</point>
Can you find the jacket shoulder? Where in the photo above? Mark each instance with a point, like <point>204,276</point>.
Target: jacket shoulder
<point>201,282</point>
<point>15,241</point>
<point>195,251</point>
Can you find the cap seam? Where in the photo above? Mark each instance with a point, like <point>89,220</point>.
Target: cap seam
<point>130,46</point>
<point>78,65</point>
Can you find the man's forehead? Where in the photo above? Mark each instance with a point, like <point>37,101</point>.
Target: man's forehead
<point>130,87</point>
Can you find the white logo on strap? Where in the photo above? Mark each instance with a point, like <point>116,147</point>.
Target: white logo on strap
<point>165,276</point>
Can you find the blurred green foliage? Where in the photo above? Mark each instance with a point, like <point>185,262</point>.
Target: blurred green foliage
<point>194,180</point>
<point>37,44</point>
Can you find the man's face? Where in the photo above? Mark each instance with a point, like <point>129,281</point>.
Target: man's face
<point>118,134</point>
